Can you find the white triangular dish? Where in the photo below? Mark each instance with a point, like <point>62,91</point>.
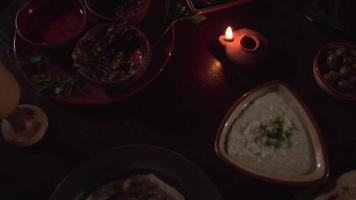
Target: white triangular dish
<point>285,166</point>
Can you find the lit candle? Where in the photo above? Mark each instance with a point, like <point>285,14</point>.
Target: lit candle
<point>244,47</point>
<point>229,34</point>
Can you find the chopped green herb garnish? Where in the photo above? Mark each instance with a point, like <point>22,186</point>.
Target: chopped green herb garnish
<point>57,86</point>
<point>276,135</point>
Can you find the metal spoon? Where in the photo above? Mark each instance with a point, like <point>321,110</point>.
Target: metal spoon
<point>313,12</point>
<point>334,20</point>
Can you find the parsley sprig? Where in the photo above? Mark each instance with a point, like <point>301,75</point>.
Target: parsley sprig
<point>277,134</point>
<point>64,86</point>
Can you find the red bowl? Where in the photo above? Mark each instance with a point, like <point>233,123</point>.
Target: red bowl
<point>100,11</point>
<point>141,61</point>
<point>323,84</point>
<point>50,23</point>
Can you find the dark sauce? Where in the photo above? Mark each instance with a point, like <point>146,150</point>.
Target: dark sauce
<point>111,54</point>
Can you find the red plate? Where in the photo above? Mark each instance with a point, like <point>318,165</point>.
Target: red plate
<point>59,63</point>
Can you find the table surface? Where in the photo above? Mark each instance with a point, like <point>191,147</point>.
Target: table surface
<point>183,108</point>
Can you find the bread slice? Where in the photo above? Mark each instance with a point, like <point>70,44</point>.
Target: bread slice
<point>169,190</point>
<point>137,187</point>
<point>345,188</point>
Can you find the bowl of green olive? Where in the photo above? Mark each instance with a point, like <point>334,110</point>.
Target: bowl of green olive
<point>335,70</point>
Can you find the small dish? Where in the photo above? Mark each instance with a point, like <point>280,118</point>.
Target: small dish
<point>32,124</point>
<point>320,69</point>
<point>290,165</point>
<point>112,54</point>
<point>134,11</point>
<point>50,23</point>
<point>207,6</point>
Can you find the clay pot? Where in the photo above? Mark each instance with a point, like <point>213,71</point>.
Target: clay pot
<point>248,49</point>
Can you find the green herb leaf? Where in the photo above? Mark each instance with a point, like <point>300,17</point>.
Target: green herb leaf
<point>276,135</point>
<point>197,19</point>
<point>57,86</point>
<point>58,90</point>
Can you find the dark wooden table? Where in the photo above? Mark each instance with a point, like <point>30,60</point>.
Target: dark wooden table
<point>183,108</point>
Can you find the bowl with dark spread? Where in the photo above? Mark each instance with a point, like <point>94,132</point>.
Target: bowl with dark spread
<point>335,70</point>
<point>50,23</point>
<point>112,54</point>
<point>132,11</point>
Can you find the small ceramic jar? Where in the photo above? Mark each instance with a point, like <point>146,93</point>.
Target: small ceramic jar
<point>248,48</point>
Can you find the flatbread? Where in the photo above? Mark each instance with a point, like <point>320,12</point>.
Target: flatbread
<point>136,187</point>
<point>345,188</point>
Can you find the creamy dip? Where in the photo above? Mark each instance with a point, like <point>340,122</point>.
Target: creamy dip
<point>296,159</point>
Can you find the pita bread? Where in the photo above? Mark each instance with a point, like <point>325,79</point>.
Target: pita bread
<point>137,187</point>
<point>345,188</point>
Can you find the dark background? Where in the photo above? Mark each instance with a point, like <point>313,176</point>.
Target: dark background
<point>183,108</point>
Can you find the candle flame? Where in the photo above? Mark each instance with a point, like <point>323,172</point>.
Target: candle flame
<point>229,34</point>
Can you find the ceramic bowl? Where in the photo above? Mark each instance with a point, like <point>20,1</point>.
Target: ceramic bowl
<point>50,23</point>
<point>319,68</point>
<point>318,172</point>
<point>249,48</point>
<point>106,11</point>
<point>135,54</point>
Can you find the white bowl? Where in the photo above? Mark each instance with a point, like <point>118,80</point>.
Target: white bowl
<point>321,168</point>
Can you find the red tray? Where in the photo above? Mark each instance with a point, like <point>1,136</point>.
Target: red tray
<point>60,63</point>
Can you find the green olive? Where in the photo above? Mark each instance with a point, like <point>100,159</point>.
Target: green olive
<point>328,78</point>
<point>352,79</point>
<point>348,60</point>
<point>341,51</point>
<point>353,52</point>
<point>329,52</point>
<point>346,71</point>
<point>334,76</point>
<point>354,65</point>
<point>345,85</point>
<point>332,61</point>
